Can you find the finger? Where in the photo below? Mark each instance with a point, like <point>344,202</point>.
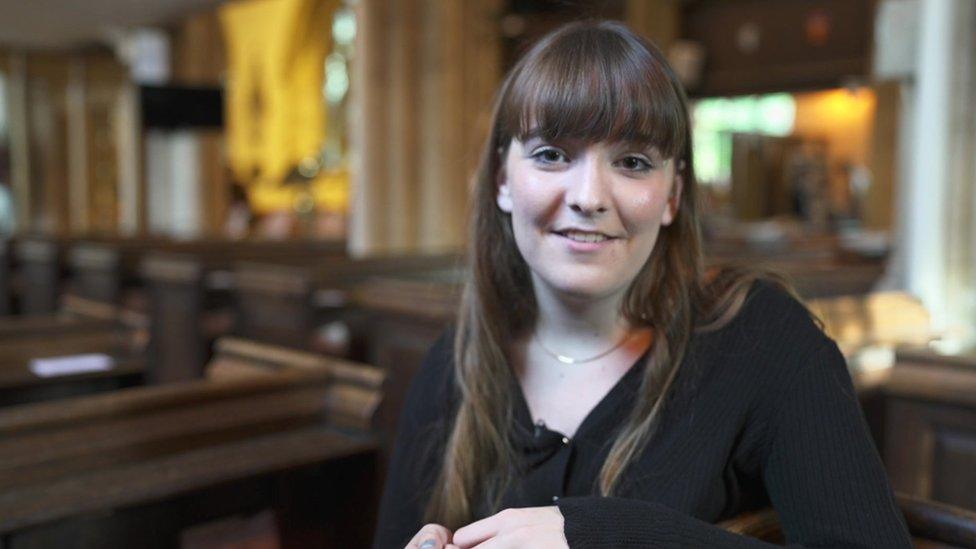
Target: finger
<point>521,537</point>
<point>501,542</point>
<point>484,529</point>
<point>476,532</point>
<point>431,536</point>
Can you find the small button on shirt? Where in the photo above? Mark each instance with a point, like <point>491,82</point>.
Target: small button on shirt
<point>554,465</point>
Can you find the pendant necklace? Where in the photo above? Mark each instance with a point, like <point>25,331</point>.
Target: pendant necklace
<point>570,360</point>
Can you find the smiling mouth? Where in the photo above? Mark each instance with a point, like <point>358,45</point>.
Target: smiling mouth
<point>584,236</point>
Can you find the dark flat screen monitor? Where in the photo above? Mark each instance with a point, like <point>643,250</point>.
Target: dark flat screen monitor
<point>171,107</point>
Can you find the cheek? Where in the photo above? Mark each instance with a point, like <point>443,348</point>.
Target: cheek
<point>645,209</point>
<point>534,200</point>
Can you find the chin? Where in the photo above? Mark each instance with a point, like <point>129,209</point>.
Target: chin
<point>584,287</point>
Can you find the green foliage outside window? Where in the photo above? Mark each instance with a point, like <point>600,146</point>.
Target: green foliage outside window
<point>716,119</point>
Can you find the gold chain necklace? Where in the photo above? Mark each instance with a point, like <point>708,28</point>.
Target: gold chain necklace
<point>570,360</point>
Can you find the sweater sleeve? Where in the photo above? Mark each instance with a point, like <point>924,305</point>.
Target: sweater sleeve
<point>820,467</point>
<point>416,453</point>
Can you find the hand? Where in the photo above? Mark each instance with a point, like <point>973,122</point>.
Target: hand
<point>431,536</point>
<point>515,528</point>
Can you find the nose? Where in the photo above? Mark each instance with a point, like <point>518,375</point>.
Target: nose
<point>589,193</point>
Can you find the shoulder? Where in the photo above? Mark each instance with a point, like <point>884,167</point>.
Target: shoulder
<point>771,341</point>
<point>773,317</point>
<point>792,352</point>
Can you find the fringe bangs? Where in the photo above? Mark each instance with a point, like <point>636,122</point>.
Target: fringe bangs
<point>595,84</point>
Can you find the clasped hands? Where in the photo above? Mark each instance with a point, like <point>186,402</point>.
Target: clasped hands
<point>512,528</point>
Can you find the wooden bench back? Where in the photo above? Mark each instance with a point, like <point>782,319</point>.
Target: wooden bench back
<point>262,410</point>
<point>6,276</point>
<point>286,305</point>
<point>929,523</point>
<point>40,270</point>
<point>930,411</point>
<point>353,393</point>
<point>25,343</point>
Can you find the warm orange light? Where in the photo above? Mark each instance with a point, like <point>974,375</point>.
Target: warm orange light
<point>843,117</point>
<point>840,105</point>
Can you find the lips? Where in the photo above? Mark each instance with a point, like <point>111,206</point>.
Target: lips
<point>578,235</point>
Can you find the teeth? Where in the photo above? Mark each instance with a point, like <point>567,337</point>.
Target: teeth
<point>585,237</point>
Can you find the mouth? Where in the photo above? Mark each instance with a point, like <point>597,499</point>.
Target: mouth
<point>578,235</point>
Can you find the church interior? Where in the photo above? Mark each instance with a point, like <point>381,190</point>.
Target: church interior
<point>230,230</point>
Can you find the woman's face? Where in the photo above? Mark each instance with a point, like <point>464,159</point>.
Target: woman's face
<point>586,217</point>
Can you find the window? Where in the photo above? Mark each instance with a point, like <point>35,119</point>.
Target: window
<point>716,119</point>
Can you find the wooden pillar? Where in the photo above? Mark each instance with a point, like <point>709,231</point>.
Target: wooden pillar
<point>880,203</point>
<point>657,20</point>
<point>424,76</point>
<point>77,141</point>
<point>19,143</point>
<point>199,60</point>
<point>403,137</point>
<point>370,80</point>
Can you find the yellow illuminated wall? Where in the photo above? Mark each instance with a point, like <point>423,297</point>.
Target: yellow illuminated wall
<point>843,117</point>
<point>276,113</point>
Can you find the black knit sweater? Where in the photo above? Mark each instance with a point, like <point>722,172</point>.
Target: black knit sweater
<point>763,412</point>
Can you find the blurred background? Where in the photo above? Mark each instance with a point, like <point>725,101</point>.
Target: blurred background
<point>194,189</point>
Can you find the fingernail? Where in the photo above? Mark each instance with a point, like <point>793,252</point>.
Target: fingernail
<point>429,544</point>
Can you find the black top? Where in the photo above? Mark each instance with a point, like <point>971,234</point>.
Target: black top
<point>763,412</point>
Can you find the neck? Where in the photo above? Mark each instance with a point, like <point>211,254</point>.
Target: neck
<point>578,326</point>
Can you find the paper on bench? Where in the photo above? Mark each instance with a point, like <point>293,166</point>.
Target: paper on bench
<point>69,365</point>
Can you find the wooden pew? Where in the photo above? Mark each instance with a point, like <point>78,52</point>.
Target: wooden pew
<point>6,276</point>
<point>400,318</point>
<point>56,356</point>
<point>930,448</point>
<point>269,430</point>
<point>40,272</point>
<point>813,281</point>
<point>43,273</point>
<point>191,297</point>
<point>931,525</point>
<point>109,270</point>
<point>819,266</point>
<point>105,270</point>
<point>297,306</point>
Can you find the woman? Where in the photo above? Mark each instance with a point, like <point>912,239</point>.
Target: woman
<point>600,390</point>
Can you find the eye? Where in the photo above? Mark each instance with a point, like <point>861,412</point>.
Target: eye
<point>549,156</point>
<point>635,163</point>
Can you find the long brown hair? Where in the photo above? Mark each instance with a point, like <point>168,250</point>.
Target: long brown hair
<point>593,81</point>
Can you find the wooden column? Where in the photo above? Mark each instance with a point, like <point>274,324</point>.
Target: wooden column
<point>19,144</point>
<point>200,60</point>
<point>657,20</point>
<point>370,77</point>
<point>880,203</point>
<point>424,75</point>
<point>404,140</point>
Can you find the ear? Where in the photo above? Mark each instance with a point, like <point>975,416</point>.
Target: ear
<point>674,200</point>
<point>503,197</point>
